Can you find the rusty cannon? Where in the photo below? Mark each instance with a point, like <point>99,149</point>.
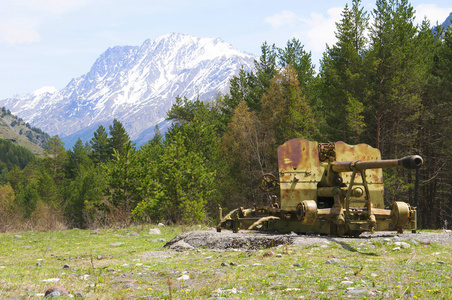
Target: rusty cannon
<point>326,188</point>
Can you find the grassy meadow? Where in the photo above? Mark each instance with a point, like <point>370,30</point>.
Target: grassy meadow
<point>129,263</point>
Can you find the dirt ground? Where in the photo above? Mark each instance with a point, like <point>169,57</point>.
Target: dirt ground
<point>226,239</point>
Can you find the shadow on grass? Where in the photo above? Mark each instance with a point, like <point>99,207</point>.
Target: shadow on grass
<point>348,247</point>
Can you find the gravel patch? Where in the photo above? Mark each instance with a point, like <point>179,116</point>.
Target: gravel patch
<point>223,240</point>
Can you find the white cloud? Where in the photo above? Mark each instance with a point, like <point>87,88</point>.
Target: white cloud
<point>21,19</point>
<point>321,29</point>
<point>432,12</point>
<point>19,32</point>
<point>284,18</point>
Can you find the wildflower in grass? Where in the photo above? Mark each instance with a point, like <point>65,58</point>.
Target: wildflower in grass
<point>149,289</point>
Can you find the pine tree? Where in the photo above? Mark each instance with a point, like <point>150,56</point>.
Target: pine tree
<point>342,77</point>
<point>394,98</point>
<point>295,56</point>
<point>99,146</point>
<point>435,202</point>
<point>118,137</point>
<point>57,158</point>
<point>285,108</point>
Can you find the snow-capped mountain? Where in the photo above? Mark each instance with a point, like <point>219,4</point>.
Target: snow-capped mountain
<point>134,84</point>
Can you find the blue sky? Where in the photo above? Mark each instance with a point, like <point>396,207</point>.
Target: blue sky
<point>49,42</point>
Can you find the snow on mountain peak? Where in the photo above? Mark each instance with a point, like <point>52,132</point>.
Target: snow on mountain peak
<point>134,84</point>
<point>45,89</point>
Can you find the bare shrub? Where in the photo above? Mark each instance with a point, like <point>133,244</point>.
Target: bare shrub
<point>10,215</point>
<point>108,216</point>
<point>46,218</point>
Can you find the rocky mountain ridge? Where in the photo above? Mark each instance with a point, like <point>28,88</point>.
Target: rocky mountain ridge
<point>134,84</point>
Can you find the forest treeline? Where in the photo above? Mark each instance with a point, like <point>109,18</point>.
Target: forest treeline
<point>387,83</point>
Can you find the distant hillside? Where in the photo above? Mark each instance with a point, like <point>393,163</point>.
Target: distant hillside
<point>21,133</point>
<point>447,22</point>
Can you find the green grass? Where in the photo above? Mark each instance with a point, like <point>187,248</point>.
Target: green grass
<point>131,264</point>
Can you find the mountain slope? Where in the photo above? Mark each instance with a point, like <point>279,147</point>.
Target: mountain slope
<point>447,22</point>
<point>21,133</point>
<point>134,84</point>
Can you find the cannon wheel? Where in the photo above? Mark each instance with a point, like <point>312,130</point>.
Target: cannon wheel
<point>268,182</point>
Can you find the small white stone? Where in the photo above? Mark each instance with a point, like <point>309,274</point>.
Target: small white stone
<point>396,249</point>
<point>346,282</point>
<point>154,231</point>
<point>183,277</point>
<point>405,245</point>
<point>51,280</point>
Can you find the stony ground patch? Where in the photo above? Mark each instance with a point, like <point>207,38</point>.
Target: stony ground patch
<point>131,263</point>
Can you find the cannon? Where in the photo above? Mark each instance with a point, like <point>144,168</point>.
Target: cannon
<point>326,188</point>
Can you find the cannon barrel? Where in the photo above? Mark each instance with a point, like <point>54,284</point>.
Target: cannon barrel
<point>409,162</point>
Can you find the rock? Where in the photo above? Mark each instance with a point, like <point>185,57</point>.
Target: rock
<point>134,234</point>
<point>223,264</point>
<point>229,291</point>
<point>346,282</point>
<point>353,291</point>
<point>55,294</point>
<point>297,265</point>
<point>344,266</point>
<point>117,244</point>
<point>128,286</point>
<point>414,242</point>
<point>51,280</point>
<point>183,277</point>
<point>181,245</point>
<point>159,240</point>
<point>333,261</point>
<point>66,267</point>
<point>78,295</point>
<point>396,238</point>
<point>232,263</point>
<point>55,291</point>
<point>405,245</point>
<point>396,249</point>
<point>18,236</point>
<point>95,232</point>
<point>269,253</point>
<point>278,255</point>
<point>38,264</point>
<point>154,231</point>
<point>161,225</point>
<point>386,240</point>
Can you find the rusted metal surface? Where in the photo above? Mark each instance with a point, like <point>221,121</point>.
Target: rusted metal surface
<point>329,188</point>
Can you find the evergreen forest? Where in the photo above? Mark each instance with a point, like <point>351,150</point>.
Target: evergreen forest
<point>387,82</point>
